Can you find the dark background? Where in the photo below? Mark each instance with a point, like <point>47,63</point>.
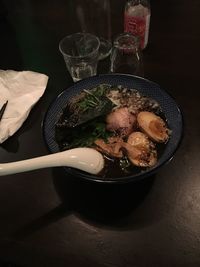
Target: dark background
<point>48,219</point>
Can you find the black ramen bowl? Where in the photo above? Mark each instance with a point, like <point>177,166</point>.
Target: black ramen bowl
<point>145,87</point>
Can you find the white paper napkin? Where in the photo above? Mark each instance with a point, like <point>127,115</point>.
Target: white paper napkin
<point>22,90</point>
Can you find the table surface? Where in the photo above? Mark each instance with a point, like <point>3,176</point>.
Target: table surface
<point>49,219</point>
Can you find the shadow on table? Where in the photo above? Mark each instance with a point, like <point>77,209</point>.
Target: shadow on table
<point>52,216</point>
<point>123,206</point>
<point>103,204</point>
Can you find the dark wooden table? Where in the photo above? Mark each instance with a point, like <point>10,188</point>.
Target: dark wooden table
<point>49,219</point>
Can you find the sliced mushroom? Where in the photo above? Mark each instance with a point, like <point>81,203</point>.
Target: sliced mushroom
<point>153,126</point>
<point>111,148</point>
<point>141,151</point>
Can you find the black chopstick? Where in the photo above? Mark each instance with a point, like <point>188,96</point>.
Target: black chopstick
<point>3,109</point>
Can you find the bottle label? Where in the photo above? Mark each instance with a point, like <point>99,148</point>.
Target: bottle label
<point>138,26</point>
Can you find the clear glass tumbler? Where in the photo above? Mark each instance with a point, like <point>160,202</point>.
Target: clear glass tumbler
<point>94,16</point>
<point>81,53</point>
<point>126,56</point>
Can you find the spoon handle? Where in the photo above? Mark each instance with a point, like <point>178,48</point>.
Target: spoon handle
<point>52,160</point>
<point>85,159</point>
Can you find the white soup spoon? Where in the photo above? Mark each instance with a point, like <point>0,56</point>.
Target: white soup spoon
<point>85,159</point>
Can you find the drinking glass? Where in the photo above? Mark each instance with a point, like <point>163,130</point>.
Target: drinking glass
<point>126,56</point>
<point>94,16</point>
<point>80,52</point>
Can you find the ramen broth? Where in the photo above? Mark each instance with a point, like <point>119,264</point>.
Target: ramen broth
<point>80,125</point>
<point>113,167</point>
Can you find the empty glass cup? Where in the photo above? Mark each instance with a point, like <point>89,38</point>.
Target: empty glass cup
<point>126,56</point>
<point>80,52</point>
<point>94,16</point>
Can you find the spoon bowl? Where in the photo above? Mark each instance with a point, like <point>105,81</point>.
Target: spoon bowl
<point>85,159</point>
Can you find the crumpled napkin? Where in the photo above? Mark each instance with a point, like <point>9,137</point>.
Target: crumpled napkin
<point>22,89</point>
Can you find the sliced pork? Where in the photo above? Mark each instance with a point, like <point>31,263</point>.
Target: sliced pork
<point>121,121</point>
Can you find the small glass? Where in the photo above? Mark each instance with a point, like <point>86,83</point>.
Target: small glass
<point>126,56</point>
<point>80,52</point>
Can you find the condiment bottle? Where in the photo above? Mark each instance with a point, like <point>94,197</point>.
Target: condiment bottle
<point>137,19</point>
